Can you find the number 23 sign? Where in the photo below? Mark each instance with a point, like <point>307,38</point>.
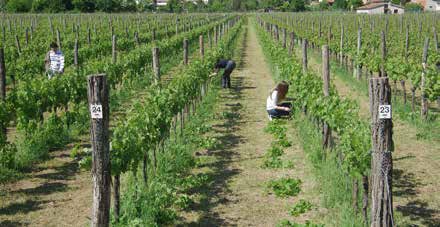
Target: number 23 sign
<point>384,111</point>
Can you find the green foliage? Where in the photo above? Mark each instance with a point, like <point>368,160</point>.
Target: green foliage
<point>18,6</point>
<point>300,208</point>
<point>285,187</point>
<point>413,7</point>
<point>84,5</point>
<point>340,4</point>
<point>287,223</point>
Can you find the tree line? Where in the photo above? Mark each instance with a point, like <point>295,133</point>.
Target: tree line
<point>179,6</point>
<point>55,6</point>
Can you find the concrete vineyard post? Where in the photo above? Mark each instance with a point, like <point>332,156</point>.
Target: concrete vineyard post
<point>304,55</point>
<point>98,99</point>
<point>156,64</point>
<point>424,107</point>
<point>326,132</point>
<point>382,146</point>
<point>185,51</point>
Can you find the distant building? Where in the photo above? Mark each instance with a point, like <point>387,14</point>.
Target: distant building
<point>380,8</point>
<point>428,5</point>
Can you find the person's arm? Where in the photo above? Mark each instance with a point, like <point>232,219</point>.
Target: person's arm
<point>275,98</point>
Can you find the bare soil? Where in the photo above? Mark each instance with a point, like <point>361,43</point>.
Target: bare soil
<point>56,193</point>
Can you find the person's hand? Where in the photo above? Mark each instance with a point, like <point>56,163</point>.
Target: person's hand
<point>286,109</point>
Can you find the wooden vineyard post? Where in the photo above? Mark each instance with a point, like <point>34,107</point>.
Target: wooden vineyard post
<point>89,37</point>
<point>402,82</point>
<point>27,36</point>
<point>365,198</point>
<point>215,36</point>
<point>114,54</point>
<point>210,39</point>
<point>292,43</point>
<point>202,47</point>
<point>284,38</point>
<point>304,52</point>
<point>326,132</point>
<point>17,43</point>
<point>75,53</point>
<point>341,46</point>
<point>382,146</point>
<point>359,46</point>
<point>2,74</point>
<point>156,65</point>
<point>2,82</point>
<point>98,98</point>
<point>202,56</point>
<point>424,110</point>
<point>185,51</point>
<point>59,39</point>
<point>384,55</point>
<point>116,196</point>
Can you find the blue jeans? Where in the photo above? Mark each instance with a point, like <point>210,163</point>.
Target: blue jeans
<point>275,113</point>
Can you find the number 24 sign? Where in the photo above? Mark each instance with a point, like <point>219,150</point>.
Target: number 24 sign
<point>384,111</point>
<point>96,111</point>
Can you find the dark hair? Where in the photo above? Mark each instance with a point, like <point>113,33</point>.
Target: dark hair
<point>282,88</point>
<point>53,45</point>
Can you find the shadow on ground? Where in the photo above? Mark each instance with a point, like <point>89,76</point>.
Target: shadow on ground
<point>220,172</point>
<point>47,181</point>
<point>405,185</point>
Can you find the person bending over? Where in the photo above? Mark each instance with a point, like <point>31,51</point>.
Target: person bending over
<point>229,66</point>
<point>274,104</point>
<point>54,61</point>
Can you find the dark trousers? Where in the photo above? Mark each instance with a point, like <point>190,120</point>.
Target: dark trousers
<point>279,113</point>
<point>226,78</point>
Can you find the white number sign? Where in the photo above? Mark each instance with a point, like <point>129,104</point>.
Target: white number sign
<point>384,111</point>
<point>96,111</point>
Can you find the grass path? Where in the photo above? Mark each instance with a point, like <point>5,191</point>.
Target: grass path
<point>416,161</point>
<point>237,196</point>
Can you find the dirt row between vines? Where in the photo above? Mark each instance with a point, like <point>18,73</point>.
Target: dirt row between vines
<point>238,195</point>
<point>416,161</point>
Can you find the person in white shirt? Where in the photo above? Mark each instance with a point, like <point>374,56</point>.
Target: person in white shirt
<point>54,61</point>
<point>274,103</point>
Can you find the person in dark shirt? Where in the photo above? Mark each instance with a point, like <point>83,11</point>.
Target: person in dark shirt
<point>229,66</point>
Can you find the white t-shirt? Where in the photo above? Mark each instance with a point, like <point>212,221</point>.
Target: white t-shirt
<point>272,101</point>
